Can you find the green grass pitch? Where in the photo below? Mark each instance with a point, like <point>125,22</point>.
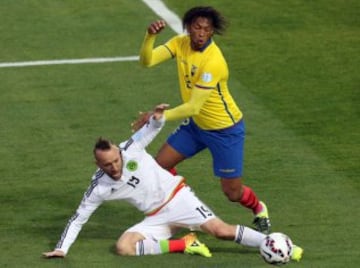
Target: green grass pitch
<point>294,71</point>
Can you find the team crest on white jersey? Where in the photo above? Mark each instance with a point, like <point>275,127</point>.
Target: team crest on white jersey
<point>206,77</point>
<point>132,165</point>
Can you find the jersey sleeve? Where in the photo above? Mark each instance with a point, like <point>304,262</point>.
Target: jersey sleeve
<point>142,138</point>
<point>149,55</point>
<point>173,44</point>
<point>210,75</point>
<point>190,108</point>
<point>88,205</point>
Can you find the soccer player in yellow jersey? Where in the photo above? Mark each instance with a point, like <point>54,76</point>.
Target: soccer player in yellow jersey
<point>212,119</point>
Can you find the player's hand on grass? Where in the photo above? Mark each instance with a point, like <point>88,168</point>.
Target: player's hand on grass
<point>54,254</point>
<point>156,27</point>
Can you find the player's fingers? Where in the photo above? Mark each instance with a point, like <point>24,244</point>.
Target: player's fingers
<point>137,125</point>
<point>156,27</point>
<point>162,106</point>
<point>142,119</point>
<point>151,29</point>
<point>139,117</point>
<point>48,254</point>
<point>163,24</point>
<point>54,254</point>
<point>45,254</point>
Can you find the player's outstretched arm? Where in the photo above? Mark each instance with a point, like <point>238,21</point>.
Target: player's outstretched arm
<point>144,117</point>
<point>54,254</point>
<point>150,56</point>
<point>159,110</point>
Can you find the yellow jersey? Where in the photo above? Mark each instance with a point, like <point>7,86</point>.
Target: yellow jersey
<point>204,70</point>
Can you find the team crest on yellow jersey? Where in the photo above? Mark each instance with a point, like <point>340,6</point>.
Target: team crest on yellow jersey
<point>206,77</point>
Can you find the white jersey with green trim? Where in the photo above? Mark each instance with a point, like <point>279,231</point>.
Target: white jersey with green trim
<point>143,183</point>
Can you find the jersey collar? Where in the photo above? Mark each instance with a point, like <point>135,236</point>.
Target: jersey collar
<point>206,45</point>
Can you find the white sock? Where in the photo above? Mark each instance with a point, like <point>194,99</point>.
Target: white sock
<point>248,237</point>
<point>148,247</point>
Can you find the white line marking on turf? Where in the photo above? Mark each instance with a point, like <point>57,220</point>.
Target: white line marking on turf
<point>66,61</point>
<point>157,6</point>
<point>170,17</point>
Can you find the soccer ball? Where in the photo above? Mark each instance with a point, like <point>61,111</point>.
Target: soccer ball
<point>276,248</point>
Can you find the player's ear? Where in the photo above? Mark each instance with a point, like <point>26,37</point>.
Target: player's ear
<point>212,31</point>
<point>96,162</point>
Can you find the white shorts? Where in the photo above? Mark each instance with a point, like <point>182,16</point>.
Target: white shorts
<point>185,210</point>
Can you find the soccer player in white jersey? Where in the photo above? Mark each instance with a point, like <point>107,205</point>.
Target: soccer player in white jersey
<point>127,172</point>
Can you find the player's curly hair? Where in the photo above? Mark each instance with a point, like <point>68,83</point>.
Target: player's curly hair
<point>218,21</point>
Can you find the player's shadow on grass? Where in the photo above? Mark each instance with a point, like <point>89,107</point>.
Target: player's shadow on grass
<point>222,250</point>
<point>233,250</point>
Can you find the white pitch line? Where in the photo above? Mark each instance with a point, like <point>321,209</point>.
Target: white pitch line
<point>170,17</point>
<point>66,61</point>
<point>157,6</point>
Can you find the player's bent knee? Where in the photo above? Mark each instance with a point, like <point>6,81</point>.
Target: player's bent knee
<point>125,249</point>
<point>126,244</point>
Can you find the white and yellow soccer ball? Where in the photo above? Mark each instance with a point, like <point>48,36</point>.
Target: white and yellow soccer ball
<point>276,248</point>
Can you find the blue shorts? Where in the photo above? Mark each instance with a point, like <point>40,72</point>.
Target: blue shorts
<point>226,146</point>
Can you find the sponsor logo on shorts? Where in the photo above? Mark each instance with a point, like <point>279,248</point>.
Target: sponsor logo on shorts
<point>228,170</point>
